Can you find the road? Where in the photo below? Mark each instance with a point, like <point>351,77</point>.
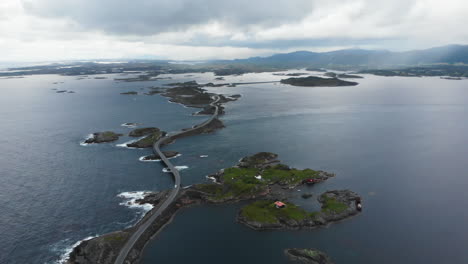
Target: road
<point>172,195</point>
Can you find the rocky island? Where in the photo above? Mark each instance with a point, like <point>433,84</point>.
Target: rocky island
<point>265,214</point>
<point>307,255</point>
<point>343,75</point>
<point>312,81</point>
<point>167,153</point>
<point>103,137</point>
<point>148,141</point>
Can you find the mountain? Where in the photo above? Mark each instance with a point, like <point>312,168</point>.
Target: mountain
<point>364,58</point>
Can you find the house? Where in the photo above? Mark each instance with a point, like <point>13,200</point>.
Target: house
<point>279,204</point>
<point>311,181</point>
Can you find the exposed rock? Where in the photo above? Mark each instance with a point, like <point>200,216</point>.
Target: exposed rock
<point>139,132</point>
<point>307,255</point>
<point>148,141</point>
<point>100,249</point>
<point>102,137</point>
<point>259,160</point>
<point>167,153</point>
<point>130,93</point>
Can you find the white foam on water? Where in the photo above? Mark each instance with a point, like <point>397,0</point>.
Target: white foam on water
<point>65,252</point>
<point>211,178</point>
<point>82,143</point>
<point>130,198</point>
<point>124,145</point>
<point>129,125</point>
<point>203,156</point>
<point>179,168</point>
<point>142,158</point>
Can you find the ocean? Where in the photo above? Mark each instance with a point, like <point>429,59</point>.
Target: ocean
<point>399,142</point>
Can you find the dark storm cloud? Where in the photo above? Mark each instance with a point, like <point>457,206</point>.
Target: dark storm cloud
<point>146,17</point>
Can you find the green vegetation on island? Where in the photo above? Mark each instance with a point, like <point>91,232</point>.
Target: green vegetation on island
<point>253,177</point>
<point>148,141</point>
<point>139,132</point>
<point>268,214</point>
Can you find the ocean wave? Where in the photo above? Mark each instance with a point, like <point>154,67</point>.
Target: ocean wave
<point>82,143</point>
<point>179,168</point>
<point>130,198</point>
<point>203,156</point>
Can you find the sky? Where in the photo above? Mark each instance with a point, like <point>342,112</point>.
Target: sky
<point>55,30</point>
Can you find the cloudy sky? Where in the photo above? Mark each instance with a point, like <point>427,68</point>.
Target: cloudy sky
<point>44,30</point>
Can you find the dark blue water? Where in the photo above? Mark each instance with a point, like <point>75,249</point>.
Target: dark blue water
<point>399,142</point>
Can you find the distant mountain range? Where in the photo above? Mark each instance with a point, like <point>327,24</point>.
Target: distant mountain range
<point>450,54</point>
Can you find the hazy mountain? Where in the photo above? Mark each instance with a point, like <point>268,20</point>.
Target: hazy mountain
<point>366,58</point>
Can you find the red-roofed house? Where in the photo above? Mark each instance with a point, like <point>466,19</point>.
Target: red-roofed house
<point>279,204</point>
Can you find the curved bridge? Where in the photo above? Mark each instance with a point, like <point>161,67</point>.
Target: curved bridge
<point>173,194</point>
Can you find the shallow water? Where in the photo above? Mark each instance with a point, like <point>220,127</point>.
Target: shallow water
<point>399,142</point>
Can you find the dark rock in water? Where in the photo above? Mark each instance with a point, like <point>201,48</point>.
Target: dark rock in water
<point>102,137</point>
<point>61,91</point>
<point>139,132</point>
<point>312,81</point>
<point>219,78</point>
<point>130,93</point>
<point>184,84</point>
<point>71,92</point>
<point>296,74</point>
<point>259,160</point>
<point>214,85</point>
<point>308,255</point>
<point>236,96</point>
<point>306,195</point>
<point>153,198</point>
<point>349,76</point>
<point>316,69</point>
<point>167,153</point>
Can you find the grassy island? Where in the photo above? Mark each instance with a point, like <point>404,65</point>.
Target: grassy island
<point>148,141</point>
<point>264,214</point>
<point>253,177</point>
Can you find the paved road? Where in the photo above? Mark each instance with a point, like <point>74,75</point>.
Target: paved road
<point>172,195</point>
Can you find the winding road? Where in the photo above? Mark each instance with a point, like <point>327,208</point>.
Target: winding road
<point>172,195</point>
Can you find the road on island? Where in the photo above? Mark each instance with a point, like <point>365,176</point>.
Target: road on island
<point>172,195</point>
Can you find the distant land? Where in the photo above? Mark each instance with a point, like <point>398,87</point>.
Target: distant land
<point>451,60</point>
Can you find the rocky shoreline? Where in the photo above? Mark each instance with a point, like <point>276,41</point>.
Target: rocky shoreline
<point>342,206</point>
<point>102,137</point>
<point>105,248</point>
<point>307,255</point>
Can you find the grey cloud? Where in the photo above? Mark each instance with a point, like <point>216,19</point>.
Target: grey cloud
<point>146,17</point>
